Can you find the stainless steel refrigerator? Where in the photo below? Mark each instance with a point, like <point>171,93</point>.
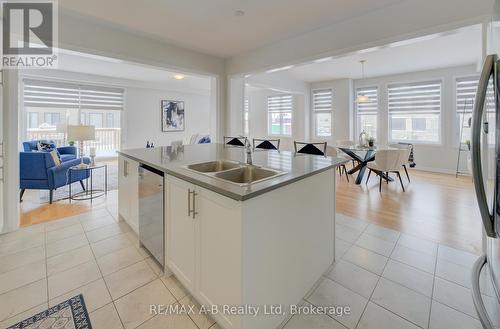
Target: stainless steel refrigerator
<point>485,142</point>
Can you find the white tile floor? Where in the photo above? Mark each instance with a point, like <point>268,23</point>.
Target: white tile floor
<point>389,280</point>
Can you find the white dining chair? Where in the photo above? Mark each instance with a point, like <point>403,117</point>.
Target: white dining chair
<point>333,152</point>
<point>387,161</point>
<point>407,161</point>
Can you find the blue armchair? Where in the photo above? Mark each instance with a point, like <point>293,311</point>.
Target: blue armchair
<point>66,152</point>
<point>39,172</point>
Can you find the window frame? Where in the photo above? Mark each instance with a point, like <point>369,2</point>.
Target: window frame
<point>291,110</point>
<point>442,106</point>
<point>322,111</point>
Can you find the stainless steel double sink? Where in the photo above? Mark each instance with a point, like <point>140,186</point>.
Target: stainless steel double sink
<point>235,172</point>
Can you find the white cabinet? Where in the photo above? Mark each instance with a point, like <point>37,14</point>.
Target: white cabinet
<point>203,243</point>
<point>180,231</point>
<point>128,191</point>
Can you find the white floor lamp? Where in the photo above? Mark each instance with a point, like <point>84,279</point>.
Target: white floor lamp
<point>80,134</point>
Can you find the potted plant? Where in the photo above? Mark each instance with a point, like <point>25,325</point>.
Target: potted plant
<point>71,143</point>
<point>371,141</point>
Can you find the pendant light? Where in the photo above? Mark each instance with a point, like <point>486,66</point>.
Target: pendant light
<point>362,98</point>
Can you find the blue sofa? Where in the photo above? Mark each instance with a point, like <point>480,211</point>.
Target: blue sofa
<point>39,172</point>
<point>66,153</point>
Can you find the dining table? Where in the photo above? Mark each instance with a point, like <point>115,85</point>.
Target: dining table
<point>362,155</point>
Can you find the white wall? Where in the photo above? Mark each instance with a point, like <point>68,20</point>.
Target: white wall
<point>440,158</point>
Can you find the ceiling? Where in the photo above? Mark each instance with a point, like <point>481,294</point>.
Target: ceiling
<point>212,26</point>
<point>462,47</point>
<point>112,68</point>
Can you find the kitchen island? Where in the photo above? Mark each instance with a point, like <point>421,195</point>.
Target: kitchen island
<point>252,237</point>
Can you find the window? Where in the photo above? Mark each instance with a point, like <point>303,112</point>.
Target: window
<point>466,89</point>
<point>279,109</point>
<point>95,119</point>
<point>366,112</point>
<point>322,108</point>
<point>246,129</point>
<point>110,120</point>
<point>32,120</point>
<point>51,118</point>
<point>415,111</point>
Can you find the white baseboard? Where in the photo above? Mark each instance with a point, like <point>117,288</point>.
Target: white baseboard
<point>437,170</point>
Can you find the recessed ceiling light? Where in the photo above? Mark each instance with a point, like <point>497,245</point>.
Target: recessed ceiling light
<point>239,13</point>
<point>178,77</point>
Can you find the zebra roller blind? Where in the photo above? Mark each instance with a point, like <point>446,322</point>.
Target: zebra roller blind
<point>41,93</point>
<point>322,100</point>
<point>370,107</point>
<point>417,97</point>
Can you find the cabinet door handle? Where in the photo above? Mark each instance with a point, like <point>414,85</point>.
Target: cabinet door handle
<point>189,202</point>
<point>194,204</point>
<point>125,168</point>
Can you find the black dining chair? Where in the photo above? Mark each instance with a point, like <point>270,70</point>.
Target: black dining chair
<point>235,140</point>
<point>266,144</point>
<point>310,148</point>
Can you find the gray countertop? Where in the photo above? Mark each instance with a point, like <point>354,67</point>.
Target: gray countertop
<point>172,161</point>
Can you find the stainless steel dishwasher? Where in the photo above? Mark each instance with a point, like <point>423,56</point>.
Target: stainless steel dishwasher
<point>151,212</point>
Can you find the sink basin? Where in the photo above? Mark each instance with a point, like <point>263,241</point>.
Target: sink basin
<point>248,175</point>
<point>213,166</point>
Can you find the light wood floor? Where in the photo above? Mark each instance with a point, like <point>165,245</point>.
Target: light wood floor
<point>437,207</point>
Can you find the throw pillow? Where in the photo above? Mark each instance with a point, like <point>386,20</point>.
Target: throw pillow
<point>55,157</point>
<point>42,146</point>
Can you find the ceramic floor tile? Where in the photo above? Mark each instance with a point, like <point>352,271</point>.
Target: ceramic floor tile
<point>73,278</point>
<point>96,213</point>
<point>353,223</point>
<point>444,317</point>
<point>410,277</point>
<point>134,308</point>
<point>454,295</point>
<point>128,279</point>
<point>23,315</point>
<point>457,256</point>
<point>18,245</point>
<point>105,318</point>
<point>117,260</point>
<point>201,320</point>
<point>63,233</point>
<point>22,276</point>
<point>95,223</point>
<point>107,232</point>
<point>301,321</point>
<point>380,246</point>
<point>66,245</point>
<point>69,259</point>
<point>22,233</point>
<point>367,259</point>
<point>354,277</point>
<point>453,272</point>
<point>61,223</point>
<point>402,301</point>
<point>376,317</point>
<point>13,261</point>
<point>422,261</point>
<point>23,299</point>
<point>174,286</point>
<point>110,245</point>
<point>96,295</point>
<point>347,233</point>
<point>330,293</point>
<point>341,248</point>
<point>425,246</point>
<point>382,233</point>
<point>153,264</point>
<point>169,321</point>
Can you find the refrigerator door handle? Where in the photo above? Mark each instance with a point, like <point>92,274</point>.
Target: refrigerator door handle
<point>477,171</point>
<point>476,293</point>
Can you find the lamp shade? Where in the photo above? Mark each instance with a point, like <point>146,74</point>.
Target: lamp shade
<point>62,128</point>
<point>81,133</point>
<point>362,99</point>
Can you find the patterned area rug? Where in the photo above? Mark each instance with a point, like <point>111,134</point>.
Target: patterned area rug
<point>62,193</point>
<point>71,314</point>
